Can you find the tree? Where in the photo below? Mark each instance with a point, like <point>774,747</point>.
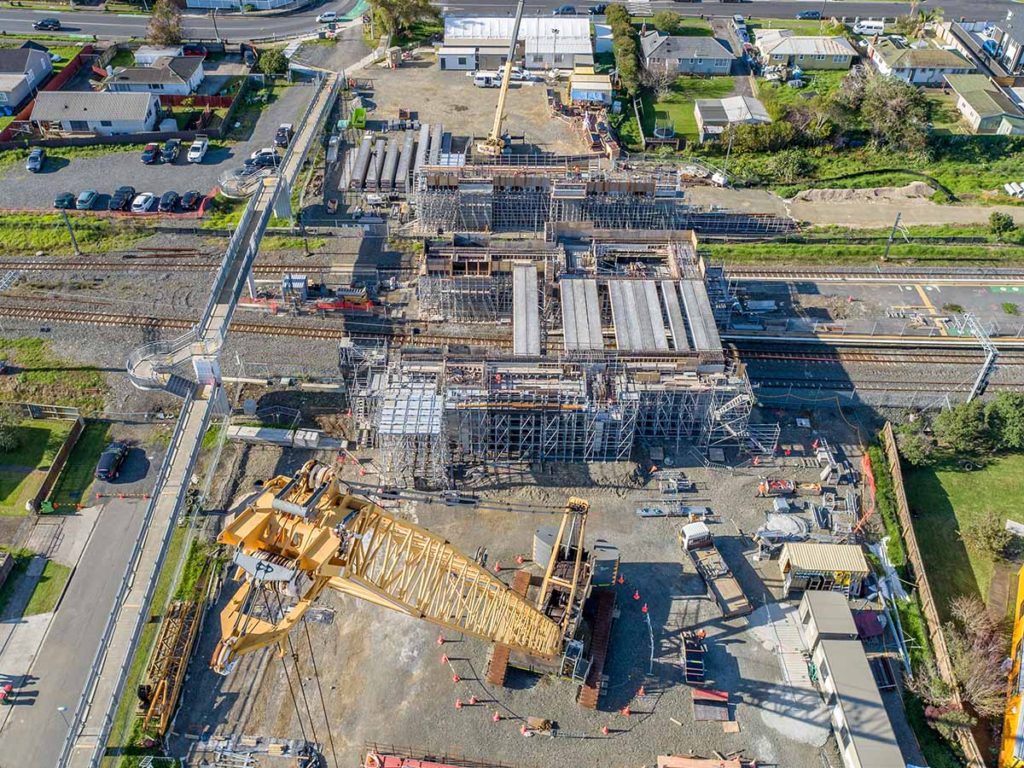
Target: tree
<point>397,16</point>
<point>10,437</point>
<point>896,112</point>
<point>659,81</point>
<point>789,165</point>
<point>272,62</point>
<point>976,642</point>
<point>616,15</point>
<point>667,22</point>
<point>988,534</point>
<point>626,62</point>
<point>1005,416</point>
<point>963,428</point>
<point>1001,224</point>
<point>916,448</point>
<point>165,24</point>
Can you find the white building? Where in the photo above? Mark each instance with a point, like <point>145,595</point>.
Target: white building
<point>547,42</point>
<point>715,115</point>
<point>148,55</point>
<point>919,63</point>
<point>99,112</point>
<point>178,76</point>
<point>863,730</point>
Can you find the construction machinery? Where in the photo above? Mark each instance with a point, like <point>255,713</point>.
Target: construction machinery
<point>304,534</point>
<point>495,144</point>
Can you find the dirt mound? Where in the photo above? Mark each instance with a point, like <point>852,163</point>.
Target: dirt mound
<point>915,189</point>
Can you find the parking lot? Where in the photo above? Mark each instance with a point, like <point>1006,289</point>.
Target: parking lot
<point>66,171</point>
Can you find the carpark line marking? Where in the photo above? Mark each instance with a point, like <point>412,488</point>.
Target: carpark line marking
<point>931,308</point>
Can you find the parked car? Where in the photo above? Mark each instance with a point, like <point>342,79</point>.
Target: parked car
<point>86,199</point>
<point>49,25</point>
<point>597,10</point>
<point>263,158</point>
<point>284,135</point>
<point>168,202</point>
<point>194,49</point>
<point>144,202</point>
<point>197,151</point>
<point>190,200</point>
<point>565,10</point>
<point>36,159</point>
<point>109,465</point>
<point>518,74</point>
<point>326,17</point>
<point>171,150</point>
<point>809,15</point>
<point>64,200</point>
<point>151,153</point>
<point>122,198</point>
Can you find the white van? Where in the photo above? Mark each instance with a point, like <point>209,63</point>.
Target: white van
<point>868,27</point>
<point>327,17</point>
<point>486,80</point>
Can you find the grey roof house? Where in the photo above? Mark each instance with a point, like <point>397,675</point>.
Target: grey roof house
<point>685,55</point>
<point>98,112</point>
<point>715,115</point>
<point>178,75</point>
<point>22,71</point>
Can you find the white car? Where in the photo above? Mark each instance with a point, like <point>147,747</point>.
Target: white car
<point>518,74</point>
<point>326,17</point>
<point>144,202</point>
<point>197,151</point>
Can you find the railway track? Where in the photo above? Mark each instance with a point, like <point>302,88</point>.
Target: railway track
<point>845,385</point>
<point>879,275</point>
<point>110,319</point>
<point>877,357</point>
<point>153,265</point>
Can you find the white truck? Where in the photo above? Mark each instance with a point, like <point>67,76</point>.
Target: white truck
<point>197,151</point>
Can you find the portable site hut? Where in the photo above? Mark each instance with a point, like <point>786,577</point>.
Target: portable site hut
<point>828,567</point>
<point>587,88</point>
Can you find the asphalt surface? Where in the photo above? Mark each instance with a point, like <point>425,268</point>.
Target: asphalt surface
<point>237,27</point>
<point>107,172</point>
<point>35,730</point>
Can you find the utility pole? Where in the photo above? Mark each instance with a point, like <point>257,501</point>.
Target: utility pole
<point>896,227</point>
<point>71,231</point>
<point>213,16</point>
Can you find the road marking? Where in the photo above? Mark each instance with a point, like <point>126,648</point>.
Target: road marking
<point>931,310</point>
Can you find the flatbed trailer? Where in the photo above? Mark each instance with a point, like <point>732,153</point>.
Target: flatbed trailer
<point>696,539</point>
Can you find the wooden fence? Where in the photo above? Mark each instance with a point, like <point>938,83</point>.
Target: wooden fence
<point>931,615</point>
<point>57,466</point>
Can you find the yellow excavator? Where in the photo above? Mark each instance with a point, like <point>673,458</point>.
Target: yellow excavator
<point>304,534</point>
<point>494,145</point>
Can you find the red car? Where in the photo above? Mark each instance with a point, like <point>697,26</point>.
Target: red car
<point>194,49</point>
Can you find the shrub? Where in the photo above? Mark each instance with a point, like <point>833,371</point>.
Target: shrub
<point>10,437</point>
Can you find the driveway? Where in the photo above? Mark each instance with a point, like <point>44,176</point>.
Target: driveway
<point>106,172</point>
<point>35,728</point>
<point>725,33</point>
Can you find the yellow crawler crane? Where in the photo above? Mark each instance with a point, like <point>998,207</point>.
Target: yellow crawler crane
<point>303,534</point>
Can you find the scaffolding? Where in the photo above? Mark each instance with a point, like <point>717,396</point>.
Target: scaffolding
<point>411,436</point>
<point>466,299</point>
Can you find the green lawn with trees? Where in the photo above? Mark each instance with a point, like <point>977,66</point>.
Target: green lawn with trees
<point>27,448</point>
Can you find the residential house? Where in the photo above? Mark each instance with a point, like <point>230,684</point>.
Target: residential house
<point>547,42</point>
<point>809,566</point>
<point>1009,36</point>
<point>99,112</point>
<point>985,107</point>
<point>863,730</point>
<point>782,46</point>
<point>918,64</point>
<point>148,55</point>
<point>22,71</point>
<point>177,76</point>
<point>685,55</point>
<point>715,115</point>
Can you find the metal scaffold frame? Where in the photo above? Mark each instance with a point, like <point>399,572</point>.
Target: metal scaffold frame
<point>467,299</point>
<point>412,437</point>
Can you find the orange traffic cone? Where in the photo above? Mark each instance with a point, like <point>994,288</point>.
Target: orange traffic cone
<point>458,703</point>
<point>636,594</point>
<point>626,711</point>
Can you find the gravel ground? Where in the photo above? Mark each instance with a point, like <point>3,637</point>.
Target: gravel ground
<point>465,110</point>
<point>382,680</point>
<point>21,189</point>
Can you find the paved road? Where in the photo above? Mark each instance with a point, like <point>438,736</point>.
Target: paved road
<point>236,27</point>
<point>34,732</point>
<point>114,169</point>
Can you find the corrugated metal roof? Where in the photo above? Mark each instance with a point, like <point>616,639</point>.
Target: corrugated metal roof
<point>526,317</point>
<point>538,32</point>
<point>581,314</point>
<point>783,42</point>
<point>831,612</point>
<point>659,46</point>
<point>54,106</point>
<point>821,558</point>
<point>636,313</point>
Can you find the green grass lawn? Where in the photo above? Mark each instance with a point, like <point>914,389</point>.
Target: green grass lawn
<point>77,477</point>
<point>822,83</point>
<point>678,106</point>
<point>66,53</point>
<point>943,500</point>
<point>799,26</point>
<point>123,58</point>
<point>690,27</point>
<point>943,114</point>
<point>49,589</point>
<point>42,377</point>
<point>23,469</point>
<point>26,233</point>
